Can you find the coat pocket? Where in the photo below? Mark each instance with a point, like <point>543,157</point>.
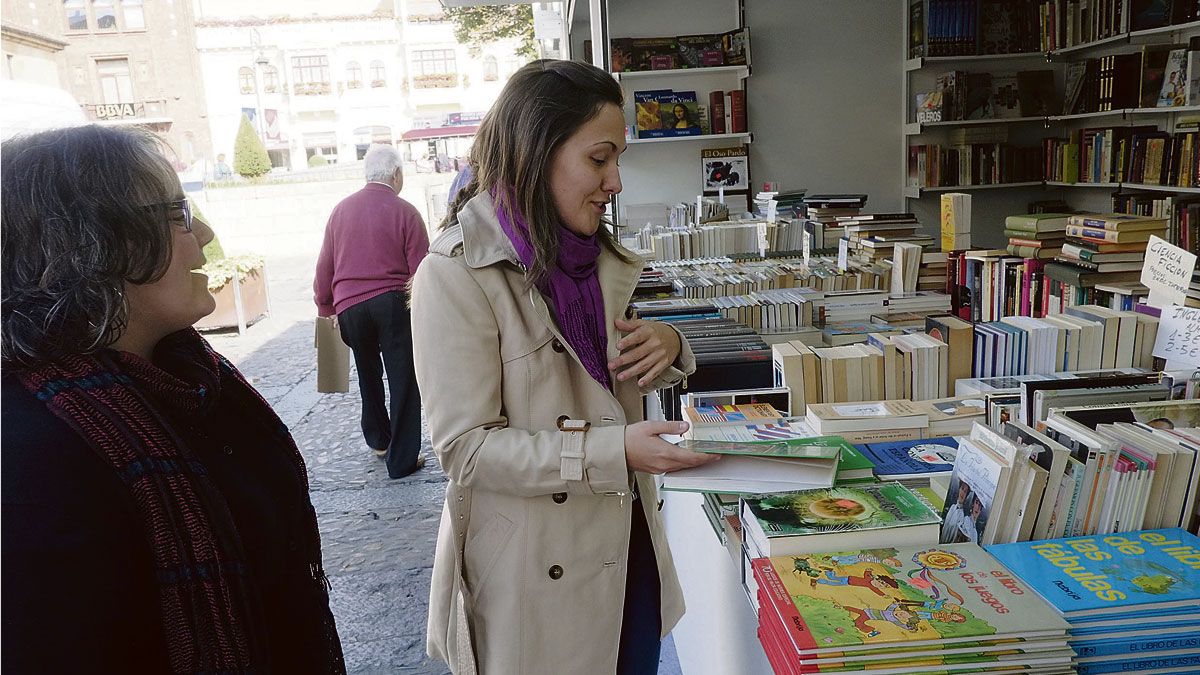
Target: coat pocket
<point>484,547</point>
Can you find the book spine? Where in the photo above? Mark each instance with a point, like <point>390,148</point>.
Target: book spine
<point>781,602</point>
<point>737,99</point>
<point>716,111</point>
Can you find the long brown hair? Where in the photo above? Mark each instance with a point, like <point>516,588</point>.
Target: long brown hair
<point>541,106</point>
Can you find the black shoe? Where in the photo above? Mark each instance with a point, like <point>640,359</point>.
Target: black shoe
<point>417,467</point>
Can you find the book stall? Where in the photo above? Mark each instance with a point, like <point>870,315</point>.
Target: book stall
<point>958,417</point>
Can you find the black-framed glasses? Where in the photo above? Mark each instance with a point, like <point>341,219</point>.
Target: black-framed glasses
<point>181,205</point>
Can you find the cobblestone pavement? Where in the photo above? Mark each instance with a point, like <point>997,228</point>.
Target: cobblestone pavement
<point>377,534</point>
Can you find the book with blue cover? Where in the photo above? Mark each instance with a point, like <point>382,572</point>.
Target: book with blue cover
<point>1125,573</point>
<point>904,460</point>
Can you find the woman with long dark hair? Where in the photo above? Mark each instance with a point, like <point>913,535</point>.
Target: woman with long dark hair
<point>156,511</point>
<point>551,556</point>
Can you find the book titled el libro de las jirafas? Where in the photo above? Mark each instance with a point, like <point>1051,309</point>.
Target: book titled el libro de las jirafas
<point>1128,573</point>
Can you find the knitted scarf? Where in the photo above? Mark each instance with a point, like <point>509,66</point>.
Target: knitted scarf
<point>573,288</point>
<point>123,407</point>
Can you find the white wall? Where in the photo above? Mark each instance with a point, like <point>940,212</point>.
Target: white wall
<point>823,101</point>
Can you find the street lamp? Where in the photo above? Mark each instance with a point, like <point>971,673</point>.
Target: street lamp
<point>260,65</point>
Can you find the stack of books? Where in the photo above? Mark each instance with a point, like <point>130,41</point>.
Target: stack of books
<point>1132,601</point>
<point>872,237</point>
<point>915,365</point>
<point>915,307</point>
<point>1038,236</point>
<point>956,221</point>
<point>917,608</point>
<point>932,274</point>
<point>870,422</point>
<point>1099,249</point>
<point>912,463</point>
<point>846,306</point>
<point>822,212</point>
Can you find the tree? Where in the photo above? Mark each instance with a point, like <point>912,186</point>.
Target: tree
<point>477,26</point>
<point>250,159</point>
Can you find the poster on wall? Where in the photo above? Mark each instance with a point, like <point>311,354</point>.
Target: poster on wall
<point>725,170</point>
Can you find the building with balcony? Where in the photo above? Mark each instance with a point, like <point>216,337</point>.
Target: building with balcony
<point>129,62</point>
<point>321,80</point>
<point>330,80</point>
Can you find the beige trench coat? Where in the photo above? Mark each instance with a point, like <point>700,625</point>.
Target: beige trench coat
<point>529,570</point>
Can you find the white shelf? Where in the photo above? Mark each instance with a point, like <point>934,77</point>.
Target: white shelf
<point>916,192</point>
<point>1161,188</point>
<point>1128,111</point>
<point>741,71</point>
<point>747,137</point>
<point>1193,25</point>
<point>1149,32</point>
<point>1058,183</point>
<point>919,63</point>
<point>914,128</point>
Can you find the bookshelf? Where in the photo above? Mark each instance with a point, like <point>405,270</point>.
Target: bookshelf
<point>742,72</point>
<point>742,138</point>
<point>994,201</point>
<point>666,171</point>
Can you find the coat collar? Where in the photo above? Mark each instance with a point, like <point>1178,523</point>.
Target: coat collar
<point>484,244</point>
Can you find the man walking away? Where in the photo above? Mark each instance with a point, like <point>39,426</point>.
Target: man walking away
<point>373,243</point>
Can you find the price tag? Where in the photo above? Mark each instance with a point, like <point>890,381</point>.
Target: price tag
<point>721,194</point>
<point>806,245</point>
<point>1178,338</point>
<point>843,254</point>
<point>772,210</point>
<point>1167,272</point>
<point>763,239</point>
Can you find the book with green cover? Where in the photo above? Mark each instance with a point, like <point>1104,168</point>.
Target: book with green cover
<point>820,447</point>
<point>1037,222</point>
<point>853,465</point>
<point>837,518</point>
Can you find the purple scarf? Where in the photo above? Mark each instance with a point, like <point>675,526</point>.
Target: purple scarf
<point>573,289</point>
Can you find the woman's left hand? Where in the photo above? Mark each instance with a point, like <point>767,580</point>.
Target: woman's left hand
<point>648,349</point>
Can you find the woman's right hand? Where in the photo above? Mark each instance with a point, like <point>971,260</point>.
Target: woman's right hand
<point>646,452</point>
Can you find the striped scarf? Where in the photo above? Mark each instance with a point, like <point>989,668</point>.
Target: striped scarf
<point>123,407</point>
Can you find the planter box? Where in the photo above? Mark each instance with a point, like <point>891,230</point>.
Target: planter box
<point>254,303</point>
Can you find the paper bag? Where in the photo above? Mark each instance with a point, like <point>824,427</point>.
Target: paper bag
<point>333,359</point>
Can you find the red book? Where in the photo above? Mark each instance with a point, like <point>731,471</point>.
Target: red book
<point>737,98</point>
<point>716,112</point>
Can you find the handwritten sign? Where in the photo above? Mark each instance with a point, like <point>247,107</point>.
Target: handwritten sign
<point>843,254</point>
<point>1167,272</point>
<point>806,246</point>
<point>1178,338</point>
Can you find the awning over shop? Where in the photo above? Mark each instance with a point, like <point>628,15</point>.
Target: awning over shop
<point>439,132</point>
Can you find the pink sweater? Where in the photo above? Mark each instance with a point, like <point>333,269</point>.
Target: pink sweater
<point>373,243</point>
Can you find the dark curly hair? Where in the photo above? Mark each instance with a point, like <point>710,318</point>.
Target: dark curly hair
<point>82,212</point>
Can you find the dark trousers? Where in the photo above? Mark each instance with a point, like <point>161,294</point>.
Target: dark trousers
<point>641,623</point>
<point>381,327</point>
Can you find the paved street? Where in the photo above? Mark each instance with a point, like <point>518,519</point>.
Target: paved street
<point>377,534</point>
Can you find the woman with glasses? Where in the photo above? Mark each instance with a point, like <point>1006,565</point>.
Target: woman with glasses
<point>156,511</point>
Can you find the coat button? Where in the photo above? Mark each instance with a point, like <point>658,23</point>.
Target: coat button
<point>559,497</point>
<point>556,572</point>
<point>558,346</point>
<point>628,312</point>
<point>228,450</point>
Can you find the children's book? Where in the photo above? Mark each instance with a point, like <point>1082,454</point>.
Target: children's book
<point>748,413</point>
<point>1118,575</point>
<point>906,460</point>
<point>892,596</point>
<point>838,518</point>
<point>1174,84</point>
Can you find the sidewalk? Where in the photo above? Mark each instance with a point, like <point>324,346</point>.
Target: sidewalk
<point>377,534</point>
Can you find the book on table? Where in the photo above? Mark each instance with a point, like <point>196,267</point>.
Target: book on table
<point>747,413</point>
<point>904,609</point>
<point>894,414</point>
<point>837,518</point>
<point>914,461</point>
<point>1121,577</point>
<point>759,467</point>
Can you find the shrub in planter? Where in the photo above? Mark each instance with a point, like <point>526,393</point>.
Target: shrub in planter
<point>250,159</point>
